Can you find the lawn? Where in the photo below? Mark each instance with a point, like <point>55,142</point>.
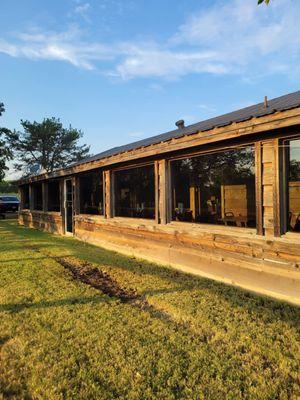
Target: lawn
<point>178,337</point>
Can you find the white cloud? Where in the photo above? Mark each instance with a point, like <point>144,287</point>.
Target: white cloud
<point>232,37</point>
<point>82,10</point>
<point>146,60</point>
<point>67,46</point>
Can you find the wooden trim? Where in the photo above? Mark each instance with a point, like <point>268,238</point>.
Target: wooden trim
<point>31,200</point>
<point>277,120</point>
<point>157,191</point>
<point>162,191</point>
<point>108,194</point>
<point>258,189</point>
<point>132,166</point>
<point>76,204</point>
<point>62,205</point>
<point>276,189</point>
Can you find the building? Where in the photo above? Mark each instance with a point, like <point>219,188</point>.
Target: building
<point>220,198</point>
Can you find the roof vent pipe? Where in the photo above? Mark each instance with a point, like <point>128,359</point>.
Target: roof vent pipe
<point>180,124</point>
<point>266,102</point>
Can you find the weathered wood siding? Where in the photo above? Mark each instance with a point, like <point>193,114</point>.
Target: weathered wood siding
<point>47,221</point>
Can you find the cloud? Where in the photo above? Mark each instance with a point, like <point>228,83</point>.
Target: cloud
<point>145,60</point>
<point>66,46</point>
<point>246,36</point>
<point>82,10</point>
<point>234,37</point>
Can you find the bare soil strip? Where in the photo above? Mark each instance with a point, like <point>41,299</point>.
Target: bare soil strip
<point>93,276</point>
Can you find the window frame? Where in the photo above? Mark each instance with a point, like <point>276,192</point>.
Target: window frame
<point>284,159</point>
<point>149,221</point>
<point>78,197</point>
<point>47,196</point>
<point>215,227</point>
<point>22,198</point>
<point>34,185</point>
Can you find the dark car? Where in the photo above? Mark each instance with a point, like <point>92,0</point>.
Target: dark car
<point>9,204</point>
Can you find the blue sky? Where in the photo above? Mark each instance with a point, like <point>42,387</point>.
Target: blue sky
<point>125,70</point>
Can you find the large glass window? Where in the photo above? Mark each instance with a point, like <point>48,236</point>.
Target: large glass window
<point>25,197</point>
<point>37,197</point>
<point>91,193</point>
<point>53,196</point>
<point>135,192</point>
<point>293,177</point>
<point>217,188</point>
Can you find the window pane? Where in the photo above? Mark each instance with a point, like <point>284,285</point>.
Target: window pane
<point>25,196</point>
<point>294,185</point>
<point>215,188</point>
<point>54,196</point>
<point>134,193</point>
<point>91,193</point>
<point>37,197</point>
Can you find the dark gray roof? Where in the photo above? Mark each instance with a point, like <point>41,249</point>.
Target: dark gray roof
<point>282,103</point>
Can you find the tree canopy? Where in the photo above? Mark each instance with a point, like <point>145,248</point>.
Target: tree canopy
<point>263,1</point>
<point>5,152</point>
<point>46,144</point>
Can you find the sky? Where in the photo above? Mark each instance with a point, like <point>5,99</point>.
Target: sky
<point>124,70</point>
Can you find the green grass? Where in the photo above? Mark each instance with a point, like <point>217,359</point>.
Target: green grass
<point>61,339</point>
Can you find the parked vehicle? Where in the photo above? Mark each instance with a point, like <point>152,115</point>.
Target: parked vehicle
<point>9,204</point>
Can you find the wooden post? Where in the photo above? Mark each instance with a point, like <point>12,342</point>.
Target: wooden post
<point>276,191</point>
<point>108,191</point>
<point>76,195</point>
<point>258,189</point>
<point>156,190</point>
<point>62,204</point>
<point>162,190</point>
<point>31,199</point>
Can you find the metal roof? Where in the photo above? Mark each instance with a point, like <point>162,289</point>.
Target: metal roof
<point>281,103</point>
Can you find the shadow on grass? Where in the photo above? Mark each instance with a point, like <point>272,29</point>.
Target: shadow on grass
<point>18,307</point>
<point>263,307</point>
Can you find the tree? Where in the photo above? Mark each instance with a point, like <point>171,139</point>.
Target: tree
<point>8,187</point>
<point>46,144</point>
<point>263,1</point>
<point>5,152</point>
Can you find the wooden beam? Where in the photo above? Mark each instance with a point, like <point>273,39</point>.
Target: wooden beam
<point>276,190</point>
<point>31,199</point>
<point>258,189</point>
<point>162,191</point>
<point>108,194</point>
<point>278,120</point>
<point>157,191</point>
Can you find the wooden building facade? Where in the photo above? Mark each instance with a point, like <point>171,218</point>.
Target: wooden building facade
<point>220,198</point>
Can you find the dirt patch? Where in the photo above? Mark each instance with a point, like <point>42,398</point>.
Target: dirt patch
<point>93,276</point>
<point>90,275</point>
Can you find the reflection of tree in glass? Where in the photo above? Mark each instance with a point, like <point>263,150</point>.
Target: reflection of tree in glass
<point>295,170</point>
<point>229,167</point>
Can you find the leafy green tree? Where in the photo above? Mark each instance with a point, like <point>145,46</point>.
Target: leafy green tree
<point>47,144</point>
<point>263,1</point>
<point>8,187</point>
<point>5,152</point>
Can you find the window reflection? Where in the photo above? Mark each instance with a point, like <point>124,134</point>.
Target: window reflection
<point>215,188</point>
<point>293,150</point>
<point>25,196</point>
<point>134,192</point>
<point>53,196</point>
<point>37,197</point>
<point>91,193</point>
